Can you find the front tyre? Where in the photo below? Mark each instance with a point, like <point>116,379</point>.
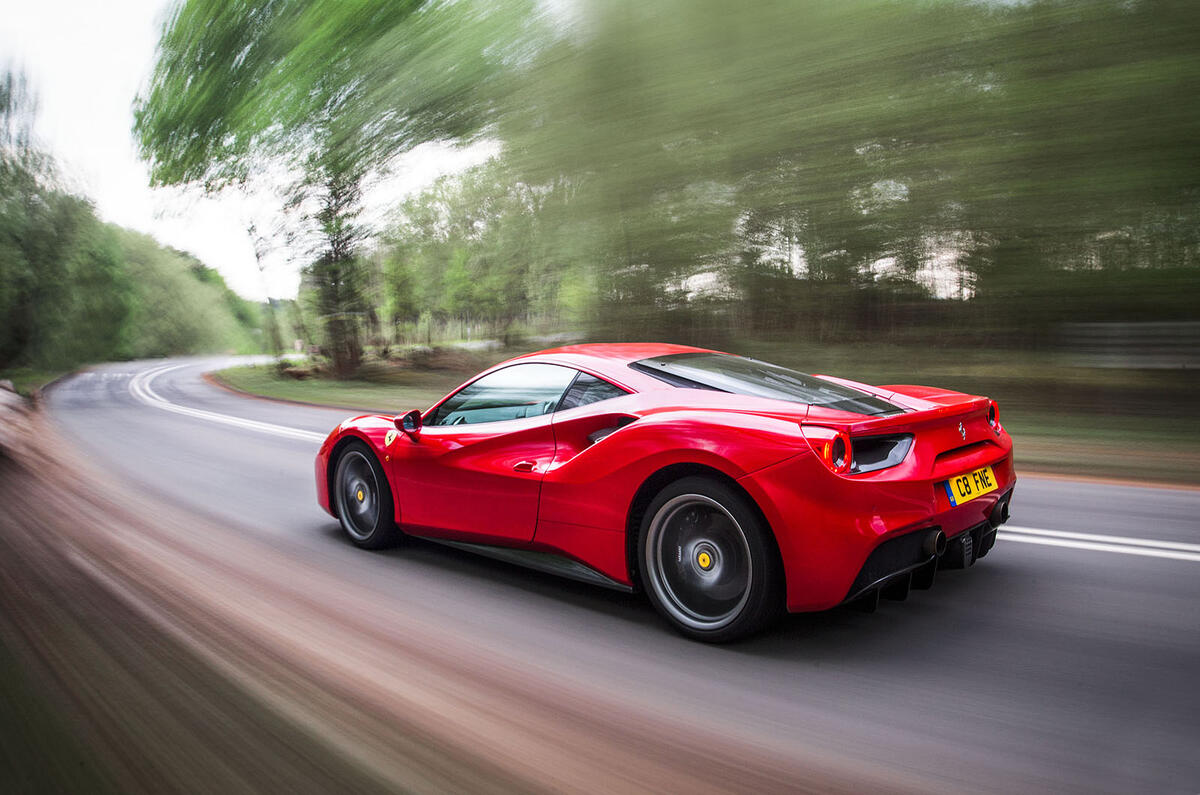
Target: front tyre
<point>364,499</point>
<point>708,561</point>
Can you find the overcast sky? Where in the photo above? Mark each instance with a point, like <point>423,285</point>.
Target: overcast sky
<point>86,61</point>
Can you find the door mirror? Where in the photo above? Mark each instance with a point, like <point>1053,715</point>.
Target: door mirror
<point>410,423</point>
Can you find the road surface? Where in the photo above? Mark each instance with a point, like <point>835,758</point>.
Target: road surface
<point>1066,660</point>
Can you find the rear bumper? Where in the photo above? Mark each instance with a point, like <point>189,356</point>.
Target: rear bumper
<point>841,537</point>
<point>910,560</point>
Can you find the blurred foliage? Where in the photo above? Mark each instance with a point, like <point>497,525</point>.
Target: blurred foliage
<point>475,249</point>
<point>324,92</point>
<point>74,289</point>
<point>974,173</point>
<point>181,306</point>
<point>862,169</point>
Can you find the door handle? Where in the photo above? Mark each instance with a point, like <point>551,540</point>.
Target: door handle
<point>525,466</point>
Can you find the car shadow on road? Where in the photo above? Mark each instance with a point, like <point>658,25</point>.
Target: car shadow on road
<point>924,620</point>
<point>928,624</point>
<point>497,573</point>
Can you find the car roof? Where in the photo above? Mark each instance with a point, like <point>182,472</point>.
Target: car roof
<point>610,359</point>
<point>620,352</point>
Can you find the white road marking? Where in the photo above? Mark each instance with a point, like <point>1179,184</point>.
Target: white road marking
<point>140,387</point>
<point>1117,544</point>
<point>1134,542</point>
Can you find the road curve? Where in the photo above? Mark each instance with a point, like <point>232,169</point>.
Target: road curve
<point>1066,660</point>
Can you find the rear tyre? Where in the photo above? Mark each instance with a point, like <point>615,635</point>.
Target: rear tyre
<point>363,498</point>
<point>708,561</point>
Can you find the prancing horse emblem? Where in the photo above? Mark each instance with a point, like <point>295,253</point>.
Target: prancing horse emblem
<point>962,431</point>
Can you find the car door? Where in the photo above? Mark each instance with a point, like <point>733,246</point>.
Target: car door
<point>474,471</point>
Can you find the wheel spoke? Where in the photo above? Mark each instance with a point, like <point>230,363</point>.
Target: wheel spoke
<point>699,561</point>
<point>358,495</point>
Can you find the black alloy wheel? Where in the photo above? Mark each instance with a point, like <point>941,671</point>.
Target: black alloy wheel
<point>708,562</point>
<point>363,498</point>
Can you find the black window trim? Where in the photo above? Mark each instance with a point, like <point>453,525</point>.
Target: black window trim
<point>567,391</point>
<point>673,379</point>
<point>559,406</point>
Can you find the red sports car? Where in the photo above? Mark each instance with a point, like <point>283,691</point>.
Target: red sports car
<point>724,487</point>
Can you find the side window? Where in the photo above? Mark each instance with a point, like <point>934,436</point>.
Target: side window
<point>522,390</point>
<point>589,389</point>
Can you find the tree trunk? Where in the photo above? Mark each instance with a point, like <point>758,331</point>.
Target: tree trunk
<point>337,272</point>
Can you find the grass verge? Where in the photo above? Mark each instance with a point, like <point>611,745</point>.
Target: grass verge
<point>28,380</point>
<point>417,390</point>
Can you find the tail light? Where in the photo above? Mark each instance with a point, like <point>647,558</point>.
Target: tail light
<point>873,453</point>
<point>831,446</point>
<point>844,456</point>
<point>994,417</point>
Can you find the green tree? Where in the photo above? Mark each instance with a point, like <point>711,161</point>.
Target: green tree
<point>63,293</point>
<point>73,289</point>
<point>328,91</point>
<point>178,305</point>
<point>869,137</point>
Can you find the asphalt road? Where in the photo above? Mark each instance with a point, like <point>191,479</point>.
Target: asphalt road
<point>1066,660</point>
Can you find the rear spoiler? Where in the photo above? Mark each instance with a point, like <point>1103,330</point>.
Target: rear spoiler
<point>910,419</point>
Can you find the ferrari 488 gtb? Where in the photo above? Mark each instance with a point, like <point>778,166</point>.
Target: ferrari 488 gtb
<point>725,488</point>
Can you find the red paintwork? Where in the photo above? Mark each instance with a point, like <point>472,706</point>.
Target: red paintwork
<point>457,482</point>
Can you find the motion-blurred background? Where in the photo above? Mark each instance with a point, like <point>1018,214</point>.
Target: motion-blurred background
<point>999,197</point>
<point>996,196</point>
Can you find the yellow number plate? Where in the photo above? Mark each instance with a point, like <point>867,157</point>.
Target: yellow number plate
<point>965,488</point>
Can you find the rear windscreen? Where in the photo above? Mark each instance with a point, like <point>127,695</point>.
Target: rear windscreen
<point>742,376</point>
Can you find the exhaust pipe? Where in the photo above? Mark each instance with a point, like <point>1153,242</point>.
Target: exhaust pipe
<point>999,514</point>
<point>935,544</point>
